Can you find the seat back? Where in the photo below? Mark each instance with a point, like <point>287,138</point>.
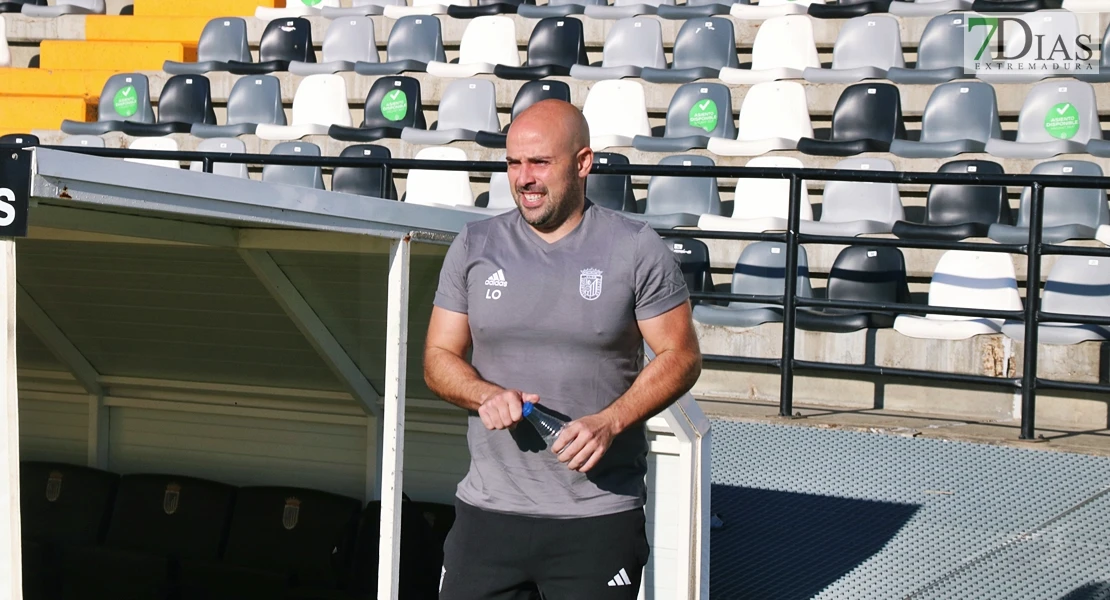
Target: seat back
<point>394,102</point>
<point>162,144</point>
<point>868,41</point>
<point>350,39</point>
<point>1078,285</point>
<point>500,195</point>
<point>966,279</point>
<point>490,39</point>
<point>868,111</point>
<point>611,191</point>
<point>617,107</point>
<point>255,99</point>
<point>961,110</point>
<point>224,39</point>
<point>1068,206</point>
<point>557,41</point>
<point>20,139</point>
<point>227,145</point>
<point>469,104</point>
<point>845,201</point>
<point>785,41</point>
<point>700,108</point>
<point>288,40</point>
<point>949,204</point>
<point>694,195</point>
<point>706,42</point>
<point>693,257</point>
<point>1059,110</point>
<point>186,99</point>
<point>126,97</point>
<point>1044,26</point>
<point>429,187</point>
<point>775,109</point>
<point>321,100</point>
<point>1104,50</point>
<point>942,41</point>
<point>534,91</point>
<point>634,41</point>
<point>362,181</point>
<point>761,197</point>
<point>416,37</point>
<point>302,176</point>
<point>64,504</point>
<point>761,271</point>
<point>307,534</point>
<point>869,274</point>
<point>170,515</point>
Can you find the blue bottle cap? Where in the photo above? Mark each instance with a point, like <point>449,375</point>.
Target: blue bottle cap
<point>527,410</point>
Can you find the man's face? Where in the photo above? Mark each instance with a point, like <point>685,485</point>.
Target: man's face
<point>543,176</point>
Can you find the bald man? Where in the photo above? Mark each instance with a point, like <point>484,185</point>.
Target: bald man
<point>556,299</point>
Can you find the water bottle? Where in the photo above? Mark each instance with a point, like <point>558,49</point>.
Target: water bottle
<point>546,424</point>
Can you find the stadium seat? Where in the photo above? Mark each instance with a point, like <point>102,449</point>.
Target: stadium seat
<point>768,9</point>
<point>392,104</point>
<point>616,112</point>
<point>283,41</point>
<point>414,42</point>
<point>84,141</point>
<point>301,176</point>
<point>500,197</point>
<point>222,41</point>
<point>1058,117</point>
<point>20,139</point>
<point>1069,213</point>
<point>466,107</point>
<point>850,208</point>
<point>927,8</point>
<point>65,7</point>
<point>1076,285</point>
<point>439,188</point>
<point>348,41</point>
<point>320,102</point>
<point>631,45</point>
<point>860,274</point>
<point>695,9</point>
<point>1047,25</point>
<point>959,117</point>
<point>362,181</point>
<point>279,538</point>
<point>359,8</point>
<point>866,48</point>
<point>955,212</point>
<point>1101,73</point>
<point>611,191</point>
<point>227,145</point>
<point>774,116</point>
<point>760,271</point>
<point>680,201</point>
<point>698,113</point>
<point>422,7</point>
<point>556,8</point>
<point>295,8</point>
<point>157,520</point>
<point>1016,6</point>
<point>486,42</point>
<point>847,9</point>
<point>486,8</point>
<point>623,9</point>
<point>940,51</point>
<point>185,100</point>
<point>125,97</point>
<point>963,279</point>
<point>528,94</point>
<point>556,45</point>
<point>761,204</point>
<point>254,100</point>
<point>702,48</point>
<point>5,51</point>
<point>693,258</point>
<point>867,118</point>
<point>783,49</point>
<point>14,6</point>
<point>161,144</point>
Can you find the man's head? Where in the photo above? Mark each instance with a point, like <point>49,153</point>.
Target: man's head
<point>549,156</point>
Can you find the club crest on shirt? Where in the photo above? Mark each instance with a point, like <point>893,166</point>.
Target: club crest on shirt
<point>589,284</point>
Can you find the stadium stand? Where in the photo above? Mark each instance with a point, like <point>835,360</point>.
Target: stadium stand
<point>760,271</point>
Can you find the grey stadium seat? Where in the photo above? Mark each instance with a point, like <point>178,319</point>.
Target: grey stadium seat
<point>927,8</point>
<point>611,191</point>
<point>1076,285</point>
<point>961,116</point>
<point>940,52</point>
<point>1102,73</point>
<point>302,176</point>
<point>702,48</point>
<point>222,40</point>
<point>228,145</point>
<point>623,9</point>
<point>760,271</point>
<point>632,45</point>
<point>556,8</point>
<point>866,48</point>
<point>467,106</point>
<point>116,106</point>
<point>680,201</point>
<point>556,45</point>
<point>84,141</point>
<point>850,208</point>
<point>697,112</point>
<point>1069,213</point>
<point>359,8</point>
<point>66,7</point>
<point>414,41</point>
<point>254,100</point>
<point>348,41</point>
<point>1058,117</point>
<point>696,9</point>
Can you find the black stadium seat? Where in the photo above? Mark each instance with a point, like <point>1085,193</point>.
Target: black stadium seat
<point>611,191</point>
<point>1015,6</point>
<point>528,94</point>
<point>957,212</point>
<point>186,100</point>
<point>847,9</point>
<point>20,139</point>
<point>693,256</point>
<point>556,45</point>
<point>867,117</point>
<point>362,181</point>
<point>392,104</point>
<point>15,6</point>
<point>863,274</point>
<point>486,8</point>
<point>283,41</point>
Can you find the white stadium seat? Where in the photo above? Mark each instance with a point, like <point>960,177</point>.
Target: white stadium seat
<point>616,111</point>
<point>439,188</point>
<point>320,102</point>
<point>769,9</point>
<point>774,116</point>
<point>164,144</point>
<point>422,7</point>
<point>295,8</point>
<point>487,42</point>
<point>761,204</point>
<point>783,49</point>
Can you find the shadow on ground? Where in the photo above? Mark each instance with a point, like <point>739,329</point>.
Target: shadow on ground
<point>787,546</point>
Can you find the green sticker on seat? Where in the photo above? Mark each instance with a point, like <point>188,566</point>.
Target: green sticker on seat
<point>126,101</point>
<point>703,115</point>
<point>395,105</point>
<point>311,2</point>
<point>1062,121</point>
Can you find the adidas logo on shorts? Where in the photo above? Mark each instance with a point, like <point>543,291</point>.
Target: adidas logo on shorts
<point>497,279</point>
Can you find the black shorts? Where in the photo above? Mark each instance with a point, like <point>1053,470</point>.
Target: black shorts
<point>496,556</point>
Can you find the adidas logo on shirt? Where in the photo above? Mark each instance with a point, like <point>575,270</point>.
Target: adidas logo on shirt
<point>620,579</point>
<point>497,279</point>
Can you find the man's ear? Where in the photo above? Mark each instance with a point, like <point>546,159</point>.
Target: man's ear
<point>585,162</point>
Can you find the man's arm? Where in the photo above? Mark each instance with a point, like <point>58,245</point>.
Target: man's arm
<point>675,369</point>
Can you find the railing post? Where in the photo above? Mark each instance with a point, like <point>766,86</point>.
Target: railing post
<point>1032,308</point>
<point>790,289</point>
<point>207,164</point>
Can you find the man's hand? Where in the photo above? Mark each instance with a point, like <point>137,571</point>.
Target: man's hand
<point>584,441</point>
<point>504,409</point>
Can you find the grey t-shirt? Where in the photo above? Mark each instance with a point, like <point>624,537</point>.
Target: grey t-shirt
<point>558,320</point>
